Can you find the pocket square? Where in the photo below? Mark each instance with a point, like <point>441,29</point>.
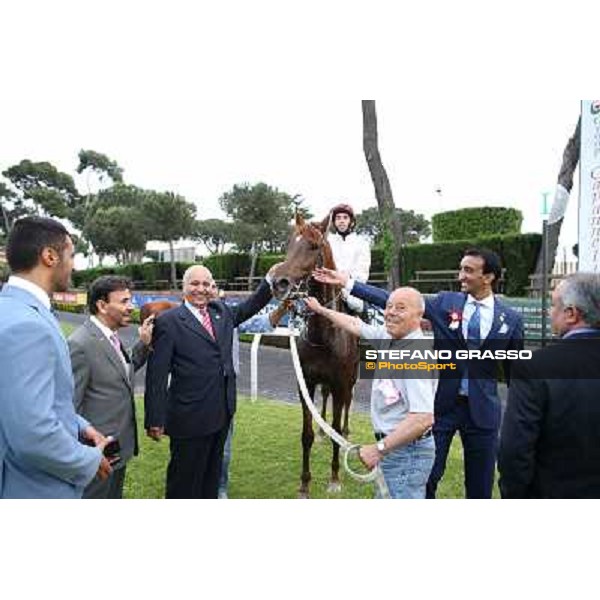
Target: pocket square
<point>504,329</point>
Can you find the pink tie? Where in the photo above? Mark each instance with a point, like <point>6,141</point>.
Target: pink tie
<point>114,340</point>
<point>207,323</point>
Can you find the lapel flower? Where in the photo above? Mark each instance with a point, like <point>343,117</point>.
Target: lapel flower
<point>455,318</point>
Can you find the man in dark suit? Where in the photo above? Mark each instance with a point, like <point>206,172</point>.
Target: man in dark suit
<point>193,344</point>
<point>104,371</point>
<point>550,442</point>
<point>474,317</point>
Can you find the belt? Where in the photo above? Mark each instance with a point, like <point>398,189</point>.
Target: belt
<point>379,435</point>
<point>462,399</point>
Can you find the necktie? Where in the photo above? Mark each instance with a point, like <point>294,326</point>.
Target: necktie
<point>473,342</point>
<point>474,329</point>
<point>206,323</point>
<point>116,344</point>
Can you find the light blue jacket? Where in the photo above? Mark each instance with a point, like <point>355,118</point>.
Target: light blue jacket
<point>40,452</point>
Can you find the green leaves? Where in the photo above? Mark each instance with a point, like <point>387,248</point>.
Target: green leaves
<point>415,227</point>
<point>476,222</point>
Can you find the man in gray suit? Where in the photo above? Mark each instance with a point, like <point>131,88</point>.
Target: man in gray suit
<point>103,373</point>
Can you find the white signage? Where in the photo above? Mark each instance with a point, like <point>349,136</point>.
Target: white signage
<point>589,187</point>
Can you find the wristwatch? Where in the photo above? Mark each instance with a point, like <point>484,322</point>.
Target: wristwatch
<point>381,446</point>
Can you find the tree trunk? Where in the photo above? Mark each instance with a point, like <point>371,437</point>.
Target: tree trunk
<point>173,270</point>
<point>563,190</point>
<point>254,256</point>
<point>383,192</point>
<point>6,219</point>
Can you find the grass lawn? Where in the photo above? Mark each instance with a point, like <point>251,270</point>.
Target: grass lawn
<point>267,457</point>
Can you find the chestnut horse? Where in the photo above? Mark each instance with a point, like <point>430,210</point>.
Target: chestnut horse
<point>155,308</point>
<point>329,356</point>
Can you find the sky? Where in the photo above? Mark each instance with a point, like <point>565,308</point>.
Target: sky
<point>183,108</point>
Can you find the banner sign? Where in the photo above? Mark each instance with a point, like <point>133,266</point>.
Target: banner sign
<point>589,187</point>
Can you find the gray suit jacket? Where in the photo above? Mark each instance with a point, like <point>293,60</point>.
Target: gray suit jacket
<point>103,387</point>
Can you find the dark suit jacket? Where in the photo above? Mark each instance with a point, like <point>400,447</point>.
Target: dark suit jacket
<point>103,388</point>
<point>201,396</point>
<point>550,442</point>
<point>506,334</point>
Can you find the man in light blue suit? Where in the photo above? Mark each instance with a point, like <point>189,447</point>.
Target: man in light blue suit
<point>471,406</point>
<point>42,450</point>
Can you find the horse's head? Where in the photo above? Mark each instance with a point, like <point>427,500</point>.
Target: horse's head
<point>307,249</point>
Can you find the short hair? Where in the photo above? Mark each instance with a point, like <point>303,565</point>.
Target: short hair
<point>28,238</point>
<point>582,291</point>
<point>103,286</point>
<point>188,272</point>
<point>491,261</point>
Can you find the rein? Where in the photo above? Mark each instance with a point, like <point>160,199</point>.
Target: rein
<point>373,476</point>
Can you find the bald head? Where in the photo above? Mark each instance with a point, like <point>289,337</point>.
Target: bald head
<point>403,311</point>
<point>199,287</point>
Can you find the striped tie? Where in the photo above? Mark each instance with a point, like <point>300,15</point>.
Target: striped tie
<point>473,342</point>
<point>206,323</point>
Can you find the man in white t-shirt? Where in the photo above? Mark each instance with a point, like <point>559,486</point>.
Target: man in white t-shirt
<point>401,409</point>
<point>351,252</point>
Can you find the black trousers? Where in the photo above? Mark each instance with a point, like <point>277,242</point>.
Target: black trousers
<point>195,466</point>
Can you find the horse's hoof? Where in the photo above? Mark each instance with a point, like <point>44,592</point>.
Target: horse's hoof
<point>334,487</point>
<point>303,495</point>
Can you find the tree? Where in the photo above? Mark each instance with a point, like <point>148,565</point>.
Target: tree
<point>392,236</point>
<point>101,165</point>
<point>214,234</point>
<point>415,227</point>
<point>11,208</point>
<point>49,190</point>
<point>126,239</point>
<point>564,186</point>
<point>171,218</point>
<point>261,216</point>
<point>112,230</point>
<point>105,170</point>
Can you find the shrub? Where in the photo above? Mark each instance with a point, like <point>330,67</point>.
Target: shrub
<point>469,223</point>
<point>518,254</point>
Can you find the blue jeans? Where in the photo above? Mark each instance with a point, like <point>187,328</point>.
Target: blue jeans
<point>224,481</point>
<point>406,469</point>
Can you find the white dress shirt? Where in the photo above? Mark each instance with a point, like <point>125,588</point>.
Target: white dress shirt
<point>30,287</point>
<point>486,313</point>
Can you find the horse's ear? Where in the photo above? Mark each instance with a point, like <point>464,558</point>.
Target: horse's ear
<point>324,225</point>
<point>299,221</point>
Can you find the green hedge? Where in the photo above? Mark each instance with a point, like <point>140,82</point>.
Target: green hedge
<point>469,223</point>
<point>518,254</point>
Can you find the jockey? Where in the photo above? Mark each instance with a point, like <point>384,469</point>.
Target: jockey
<point>351,252</point>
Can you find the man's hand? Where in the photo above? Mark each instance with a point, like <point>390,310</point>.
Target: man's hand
<point>92,435</point>
<point>104,470</point>
<point>155,433</point>
<point>370,456</point>
<point>330,276</point>
<point>314,305</point>
<point>146,329</point>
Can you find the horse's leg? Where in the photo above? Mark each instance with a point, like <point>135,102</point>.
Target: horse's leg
<point>308,438</point>
<point>339,396</point>
<point>325,391</point>
<point>346,428</point>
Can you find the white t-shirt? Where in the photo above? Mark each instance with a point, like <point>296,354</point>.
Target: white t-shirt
<point>393,399</point>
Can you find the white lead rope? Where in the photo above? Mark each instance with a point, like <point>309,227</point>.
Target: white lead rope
<point>373,476</point>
